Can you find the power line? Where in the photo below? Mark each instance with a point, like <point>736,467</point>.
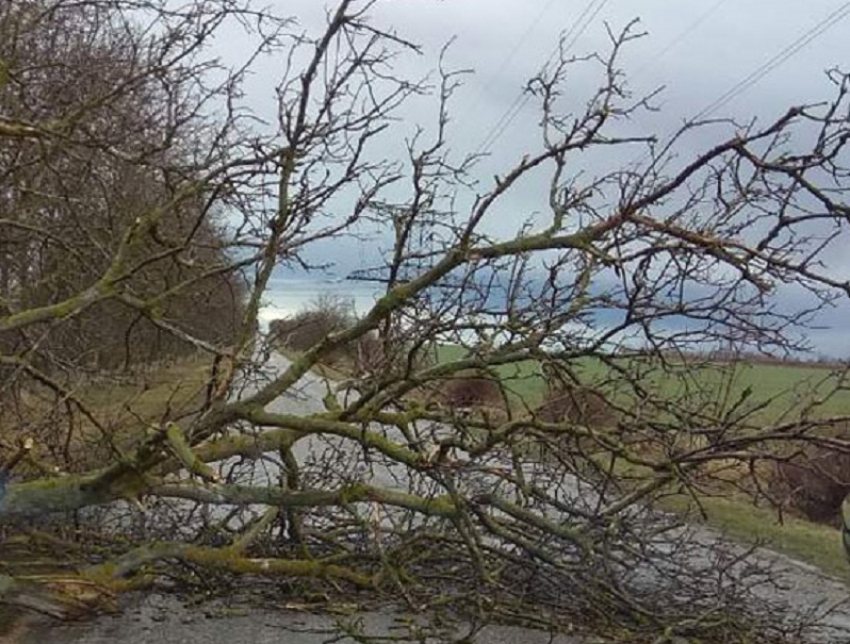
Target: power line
<point>775,61</point>
<point>505,62</point>
<point>519,103</point>
<point>754,77</point>
<point>679,38</point>
<point>570,38</point>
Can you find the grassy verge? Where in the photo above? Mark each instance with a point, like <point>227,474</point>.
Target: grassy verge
<point>125,407</point>
<point>118,408</point>
<point>808,542</point>
<point>772,391</point>
<point>175,386</point>
<point>781,387</point>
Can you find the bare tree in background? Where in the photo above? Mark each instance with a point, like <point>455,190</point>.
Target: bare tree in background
<point>133,206</point>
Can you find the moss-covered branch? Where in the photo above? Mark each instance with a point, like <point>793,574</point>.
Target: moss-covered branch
<point>55,494</point>
<point>227,560</point>
<point>62,598</point>
<point>323,425</point>
<point>71,492</point>
<point>247,445</point>
<point>251,495</point>
<point>183,451</point>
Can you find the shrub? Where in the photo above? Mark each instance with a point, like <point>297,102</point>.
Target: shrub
<point>576,405</point>
<point>573,405</point>
<point>369,355</point>
<point>330,314</point>
<point>813,484</point>
<point>310,326</point>
<point>465,392</point>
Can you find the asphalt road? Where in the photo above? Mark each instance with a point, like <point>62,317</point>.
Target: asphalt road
<point>157,619</point>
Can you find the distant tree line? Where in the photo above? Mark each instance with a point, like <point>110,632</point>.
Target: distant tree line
<point>756,358</point>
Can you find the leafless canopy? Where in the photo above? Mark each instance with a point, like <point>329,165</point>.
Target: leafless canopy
<point>144,210</point>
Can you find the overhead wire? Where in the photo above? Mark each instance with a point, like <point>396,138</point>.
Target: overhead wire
<point>594,7</point>
<point>789,51</point>
<point>759,73</point>
<point>697,22</point>
<point>566,44</point>
<point>519,103</point>
<point>505,62</point>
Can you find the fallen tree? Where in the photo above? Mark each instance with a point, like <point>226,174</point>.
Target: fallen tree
<point>543,517</point>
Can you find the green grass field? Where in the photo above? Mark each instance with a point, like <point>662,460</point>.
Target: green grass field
<point>813,543</point>
<point>761,394</point>
<point>768,393</point>
<point>124,407</point>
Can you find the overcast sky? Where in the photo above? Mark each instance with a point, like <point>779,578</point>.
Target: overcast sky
<point>696,49</point>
